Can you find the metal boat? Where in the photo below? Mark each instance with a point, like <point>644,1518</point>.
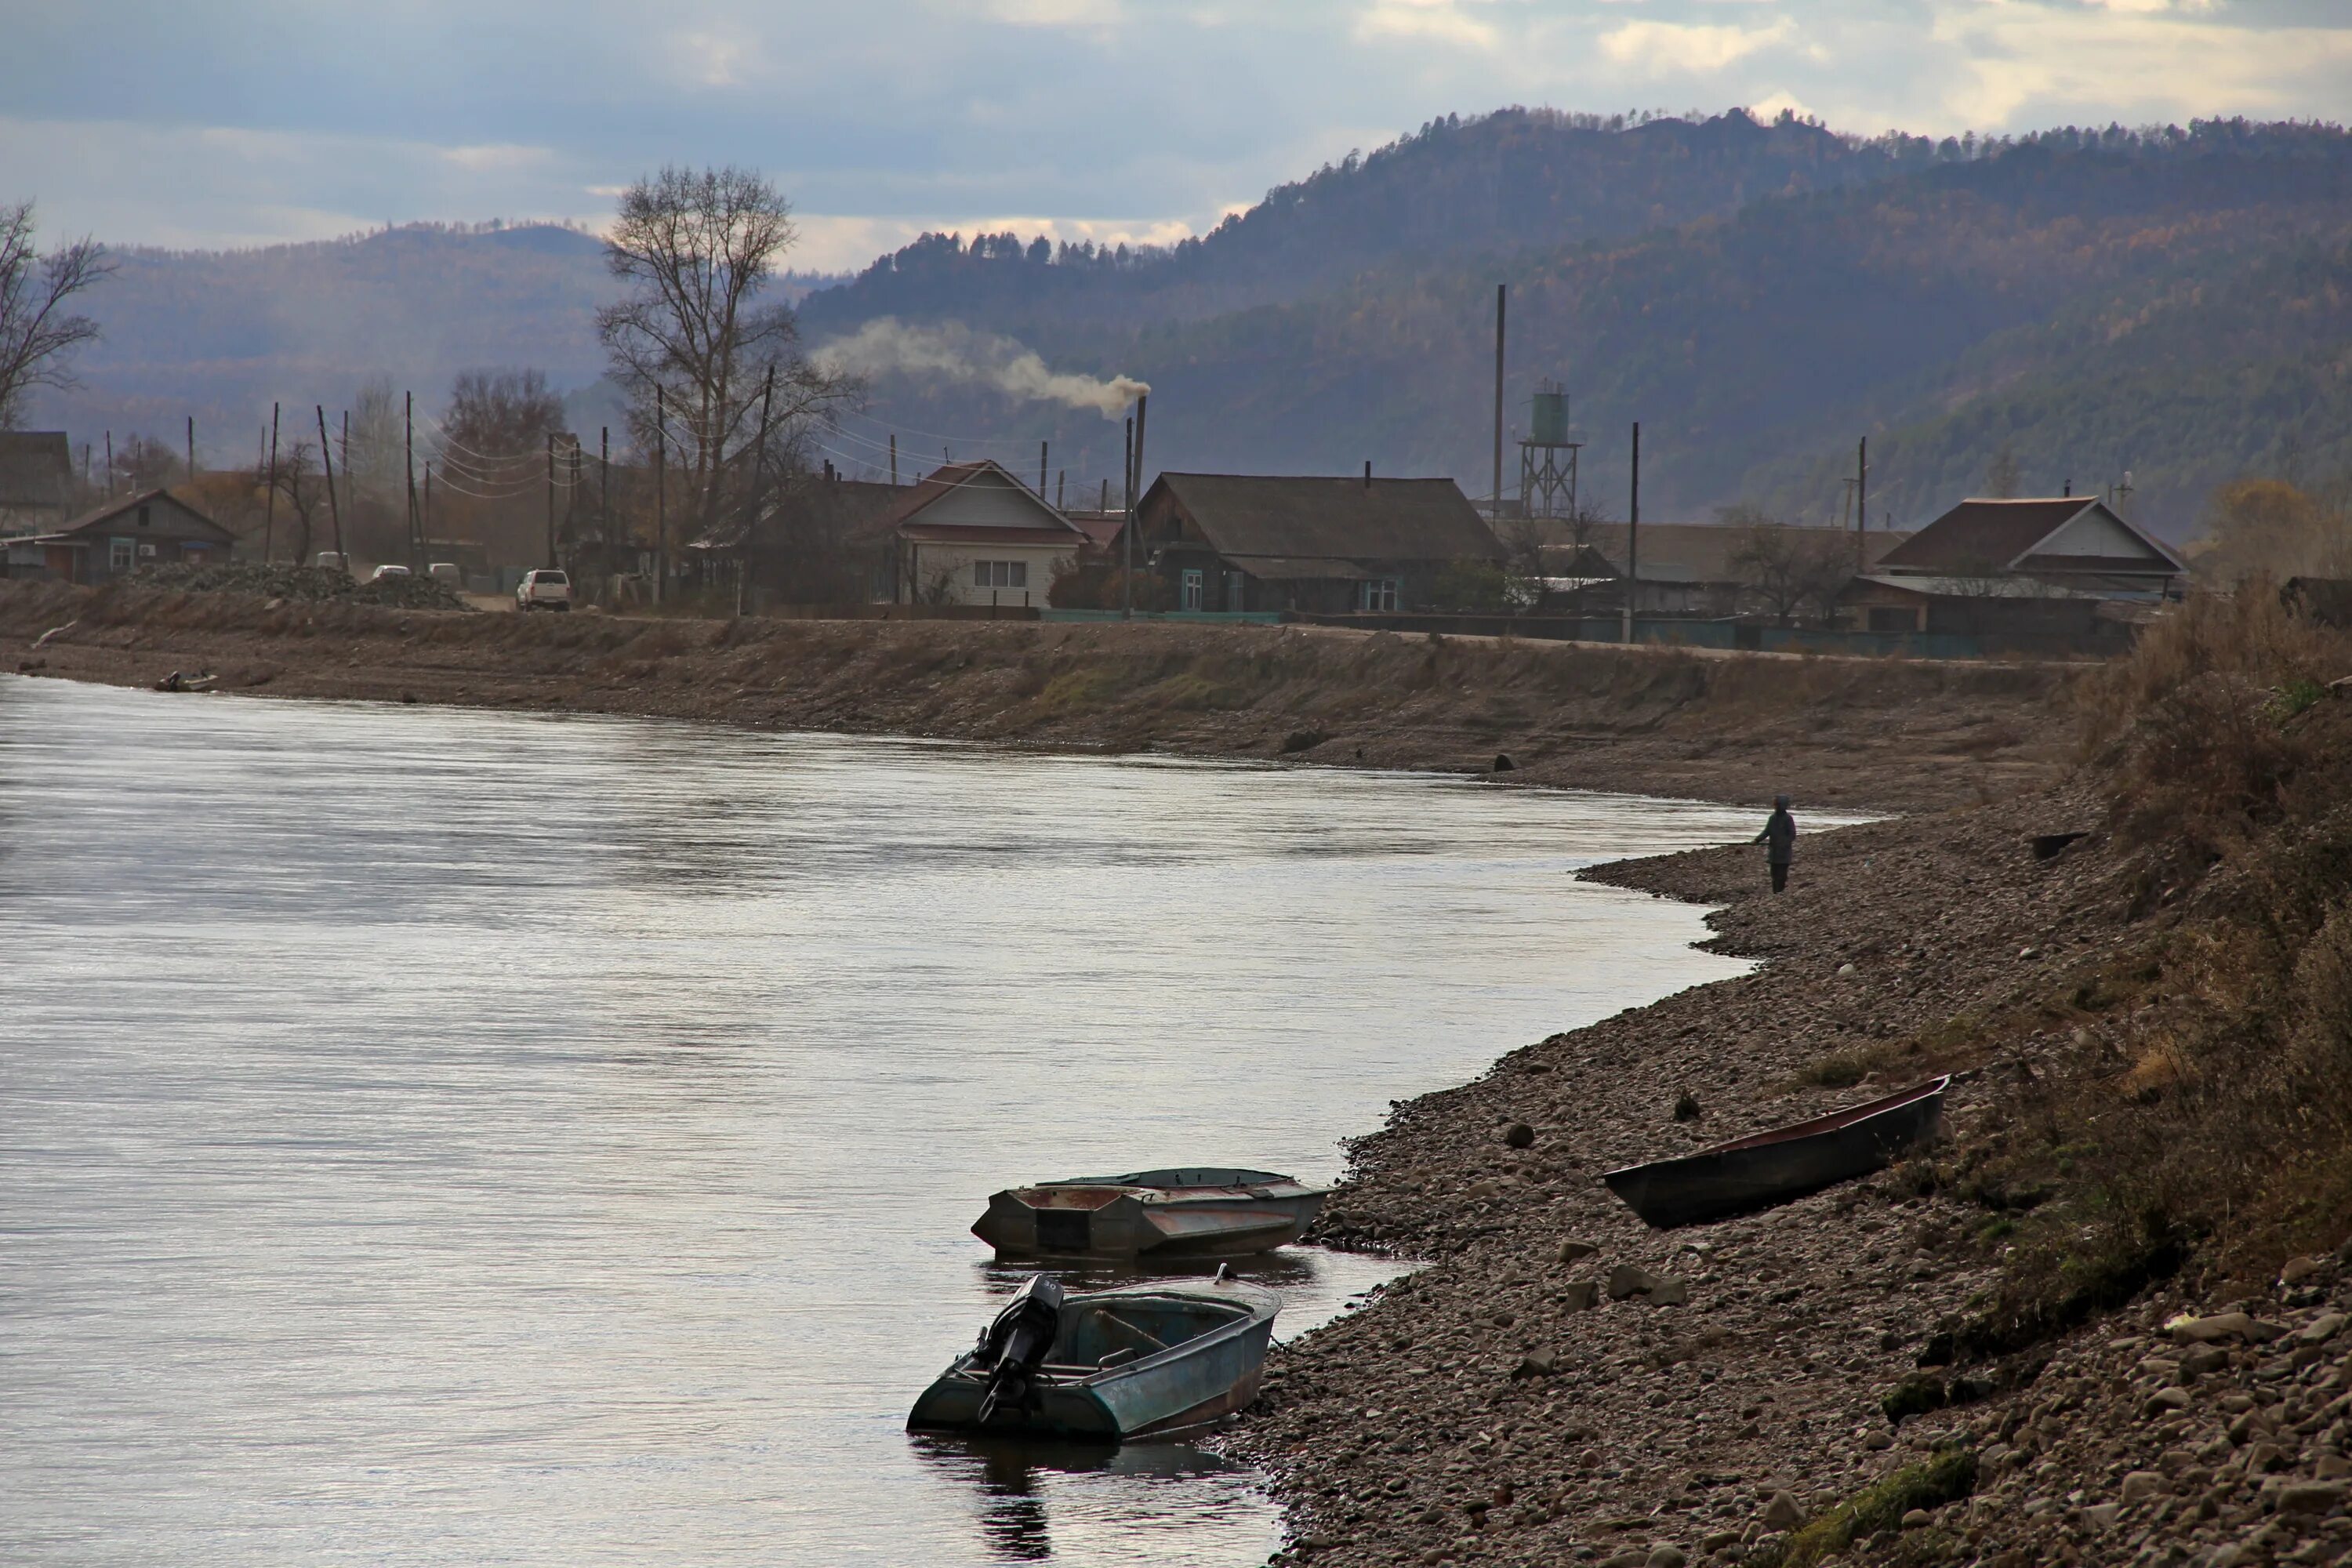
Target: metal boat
<point>1785,1162</point>
<point>1140,1360</point>
<point>1191,1211</point>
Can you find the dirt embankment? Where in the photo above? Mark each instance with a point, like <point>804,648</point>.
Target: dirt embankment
<point>2104,1321</point>
<point>1834,732</point>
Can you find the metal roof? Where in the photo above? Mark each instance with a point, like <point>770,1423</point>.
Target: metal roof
<point>1328,519</point>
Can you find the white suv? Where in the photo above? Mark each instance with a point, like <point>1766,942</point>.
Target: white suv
<point>543,590</point>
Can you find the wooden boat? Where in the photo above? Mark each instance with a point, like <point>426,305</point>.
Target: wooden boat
<point>1136,1361</point>
<point>1785,1162</point>
<point>1191,1211</point>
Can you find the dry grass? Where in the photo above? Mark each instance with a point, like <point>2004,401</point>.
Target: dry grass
<point>2213,1127</point>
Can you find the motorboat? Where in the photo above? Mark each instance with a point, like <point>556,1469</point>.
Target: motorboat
<point>1191,1211</point>
<point>1135,1362</point>
<point>1785,1162</point>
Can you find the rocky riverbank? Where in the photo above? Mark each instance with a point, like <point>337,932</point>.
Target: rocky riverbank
<point>1973,1357</point>
<point>1871,733</point>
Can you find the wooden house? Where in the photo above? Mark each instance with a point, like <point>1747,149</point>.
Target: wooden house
<point>152,528</point>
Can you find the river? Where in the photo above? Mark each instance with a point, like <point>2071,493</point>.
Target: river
<point>432,1135</point>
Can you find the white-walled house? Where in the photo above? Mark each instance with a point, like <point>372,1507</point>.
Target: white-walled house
<point>972,534</point>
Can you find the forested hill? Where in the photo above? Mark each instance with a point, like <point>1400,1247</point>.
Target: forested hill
<point>2173,304</point>
<point>1759,296</point>
<point>1455,187</point>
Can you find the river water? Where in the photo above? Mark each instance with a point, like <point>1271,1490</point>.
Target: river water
<point>438,1136</point>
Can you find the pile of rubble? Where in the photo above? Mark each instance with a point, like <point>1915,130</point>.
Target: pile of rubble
<point>309,584</point>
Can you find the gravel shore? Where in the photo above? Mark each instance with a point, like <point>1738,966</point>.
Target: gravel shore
<point>1565,1383</point>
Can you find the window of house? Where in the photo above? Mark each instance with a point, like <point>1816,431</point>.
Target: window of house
<point>119,553</point>
<point>1380,594</point>
<point>1192,589</point>
<point>999,574</point>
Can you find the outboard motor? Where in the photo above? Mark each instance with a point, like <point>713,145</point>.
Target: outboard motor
<point>1016,1342</point>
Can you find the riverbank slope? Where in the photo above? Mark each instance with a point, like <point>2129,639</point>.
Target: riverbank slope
<point>1869,734</point>
<point>1972,1357</point>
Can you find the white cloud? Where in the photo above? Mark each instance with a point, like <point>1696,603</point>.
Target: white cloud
<point>2089,66</point>
<point>1686,48</point>
<point>1055,12</point>
<point>1441,21</point>
<point>724,58</point>
<point>1767,109</point>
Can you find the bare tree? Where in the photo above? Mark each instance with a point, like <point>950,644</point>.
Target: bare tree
<point>301,489</point>
<point>1787,568</point>
<point>498,417</point>
<point>377,458</point>
<point>700,341</point>
<point>37,334</point>
<point>145,463</point>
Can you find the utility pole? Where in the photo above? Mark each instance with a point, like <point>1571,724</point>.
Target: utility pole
<point>346,450</point>
<point>191,451</point>
<point>551,498</point>
<point>1060,488</point>
<point>1633,536</point>
<point>334,506</point>
<point>661,496</point>
<point>408,462</point>
<point>605,486</point>
<point>1860,501</point>
<point>759,497</point>
<point>1128,530</point>
<point>110,465</point>
<point>894,459</point>
<point>270,515</point>
<point>1041,470</point>
<point>1502,298</point>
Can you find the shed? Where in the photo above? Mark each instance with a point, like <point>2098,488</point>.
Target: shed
<point>2047,569</point>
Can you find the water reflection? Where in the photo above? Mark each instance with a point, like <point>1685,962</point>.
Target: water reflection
<point>1011,1478</point>
<point>459,1136</point>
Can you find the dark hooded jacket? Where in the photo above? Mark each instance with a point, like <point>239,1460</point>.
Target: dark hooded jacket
<point>1779,836</point>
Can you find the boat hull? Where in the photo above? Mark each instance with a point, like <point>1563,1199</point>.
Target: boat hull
<point>1190,1384</point>
<point>1780,1165</point>
<point>1114,1218</point>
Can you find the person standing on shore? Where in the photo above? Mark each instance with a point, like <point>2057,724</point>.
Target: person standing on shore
<point>1779,841</point>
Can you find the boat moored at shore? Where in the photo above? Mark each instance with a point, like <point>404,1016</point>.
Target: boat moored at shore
<point>1181,1211</point>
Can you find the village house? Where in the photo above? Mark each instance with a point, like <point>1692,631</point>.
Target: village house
<point>972,533</point>
<point>150,529</point>
<point>2059,569</point>
<point>1708,568</point>
<point>1325,546</point>
<point>36,481</point>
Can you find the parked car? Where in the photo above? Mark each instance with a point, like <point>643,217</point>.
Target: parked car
<point>385,573</point>
<point>447,572</point>
<point>329,561</point>
<point>543,590</point>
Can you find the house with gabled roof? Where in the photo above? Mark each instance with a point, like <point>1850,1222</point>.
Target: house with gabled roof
<point>1324,545</point>
<point>2047,566</point>
<point>152,528</point>
<point>972,533</point>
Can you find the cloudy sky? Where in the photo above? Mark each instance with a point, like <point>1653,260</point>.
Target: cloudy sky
<point>219,122</point>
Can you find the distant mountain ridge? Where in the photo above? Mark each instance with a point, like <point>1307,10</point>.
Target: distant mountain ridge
<point>1759,295</point>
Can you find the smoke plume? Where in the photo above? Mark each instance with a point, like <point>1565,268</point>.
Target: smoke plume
<point>956,352</point>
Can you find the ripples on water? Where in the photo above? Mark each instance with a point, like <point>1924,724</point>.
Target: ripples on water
<point>430,1136</point>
